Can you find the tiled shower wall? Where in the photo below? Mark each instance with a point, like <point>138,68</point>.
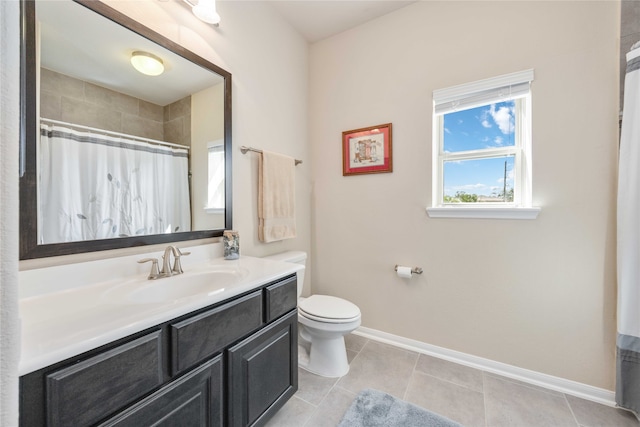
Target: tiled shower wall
<point>75,101</point>
<point>629,34</point>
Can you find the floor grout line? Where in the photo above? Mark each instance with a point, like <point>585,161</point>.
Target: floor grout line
<point>573,414</point>
<point>413,371</point>
<point>326,397</point>
<point>484,399</point>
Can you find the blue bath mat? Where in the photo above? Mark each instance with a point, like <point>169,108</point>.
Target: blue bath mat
<point>372,408</point>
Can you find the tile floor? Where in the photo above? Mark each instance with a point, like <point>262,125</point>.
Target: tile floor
<point>466,395</point>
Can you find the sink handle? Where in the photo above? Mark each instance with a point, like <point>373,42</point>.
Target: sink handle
<point>154,274</point>
<point>177,265</point>
<point>180,253</point>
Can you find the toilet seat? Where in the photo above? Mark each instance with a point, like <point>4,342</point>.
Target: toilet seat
<point>328,309</point>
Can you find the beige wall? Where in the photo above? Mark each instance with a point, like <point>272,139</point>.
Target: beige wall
<point>210,118</point>
<point>536,294</point>
<point>269,96</point>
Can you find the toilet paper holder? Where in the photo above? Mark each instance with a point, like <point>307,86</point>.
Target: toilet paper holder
<point>414,270</point>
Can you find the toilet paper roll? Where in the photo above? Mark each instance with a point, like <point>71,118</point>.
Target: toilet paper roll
<point>404,272</point>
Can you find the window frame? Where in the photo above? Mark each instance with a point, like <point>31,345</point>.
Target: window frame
<point>218,147</point>
<point>473,95</point>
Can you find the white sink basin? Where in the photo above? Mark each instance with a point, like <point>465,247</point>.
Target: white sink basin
<point>201,283</point>
<point>92,305</point>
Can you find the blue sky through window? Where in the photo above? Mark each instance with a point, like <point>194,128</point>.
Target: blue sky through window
<point>488,126</point>
<point>484,177</point>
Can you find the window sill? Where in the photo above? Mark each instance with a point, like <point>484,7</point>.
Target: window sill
<point>483,212</point>
<point>214,210</point>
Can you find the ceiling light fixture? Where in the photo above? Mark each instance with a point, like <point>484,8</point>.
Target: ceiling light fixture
<point>205,10</point>
<point>147,63</point>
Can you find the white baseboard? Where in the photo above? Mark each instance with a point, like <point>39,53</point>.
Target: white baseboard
<point>573,388</point>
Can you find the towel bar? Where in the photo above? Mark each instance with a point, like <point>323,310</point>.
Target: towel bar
<point>244,150</point>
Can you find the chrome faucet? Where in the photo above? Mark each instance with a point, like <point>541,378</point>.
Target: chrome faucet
<point>167,270</point>
<point>166,260</point>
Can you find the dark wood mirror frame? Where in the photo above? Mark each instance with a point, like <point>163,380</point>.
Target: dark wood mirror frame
<point>29,247</point>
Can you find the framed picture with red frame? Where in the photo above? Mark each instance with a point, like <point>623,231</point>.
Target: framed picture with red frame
<point>367,150</point>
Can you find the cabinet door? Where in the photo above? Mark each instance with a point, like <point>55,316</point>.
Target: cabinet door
<point>263,372</point>
<point>194,400</point>
<point>92,389</point>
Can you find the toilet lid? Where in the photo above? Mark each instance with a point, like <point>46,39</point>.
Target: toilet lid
<point>329,307</point>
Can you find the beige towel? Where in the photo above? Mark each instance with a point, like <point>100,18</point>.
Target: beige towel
<point>276,197</point>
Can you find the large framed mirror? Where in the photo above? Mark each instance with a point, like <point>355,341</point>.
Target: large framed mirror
<point>111,157</point>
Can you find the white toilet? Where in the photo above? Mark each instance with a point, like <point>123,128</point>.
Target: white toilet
<point>323,322</point>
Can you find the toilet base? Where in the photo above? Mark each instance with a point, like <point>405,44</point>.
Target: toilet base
<point>325,341</point>
<point>326,357</point>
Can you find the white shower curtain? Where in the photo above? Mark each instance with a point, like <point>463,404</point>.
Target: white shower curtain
<point>97,187</point>
<point>628,339</point>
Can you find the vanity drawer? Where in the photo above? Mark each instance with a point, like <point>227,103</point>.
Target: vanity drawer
<point>87,391</point>
<point>194,399</point>
<point>280,298</point>
<point>202,336</point>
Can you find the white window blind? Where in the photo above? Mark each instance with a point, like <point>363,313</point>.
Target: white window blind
<point>482,92</point>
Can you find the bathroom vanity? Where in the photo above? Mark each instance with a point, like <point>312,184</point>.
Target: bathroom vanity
<point>214,356</point>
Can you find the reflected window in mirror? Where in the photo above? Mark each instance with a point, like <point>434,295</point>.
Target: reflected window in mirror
<point>215,186</point>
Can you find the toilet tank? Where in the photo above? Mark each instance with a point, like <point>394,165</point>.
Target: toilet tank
<point>297,257</point>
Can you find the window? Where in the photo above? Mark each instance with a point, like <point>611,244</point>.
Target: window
<point>215,185</point>
<point>482,149</point>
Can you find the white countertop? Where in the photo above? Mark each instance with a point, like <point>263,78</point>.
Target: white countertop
<point>59,325</point>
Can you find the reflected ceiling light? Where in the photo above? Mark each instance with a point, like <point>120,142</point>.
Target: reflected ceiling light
<point>205,10</point>
<point>147,63</point>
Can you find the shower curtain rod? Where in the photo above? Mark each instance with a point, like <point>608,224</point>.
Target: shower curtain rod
<point>111,133</point>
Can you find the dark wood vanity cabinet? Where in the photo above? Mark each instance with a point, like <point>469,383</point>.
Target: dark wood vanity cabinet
<point>263,372</point>
<point>198,337</point>
<point>78,394</point>
<point>233,363</point>
<point>195,399</point>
